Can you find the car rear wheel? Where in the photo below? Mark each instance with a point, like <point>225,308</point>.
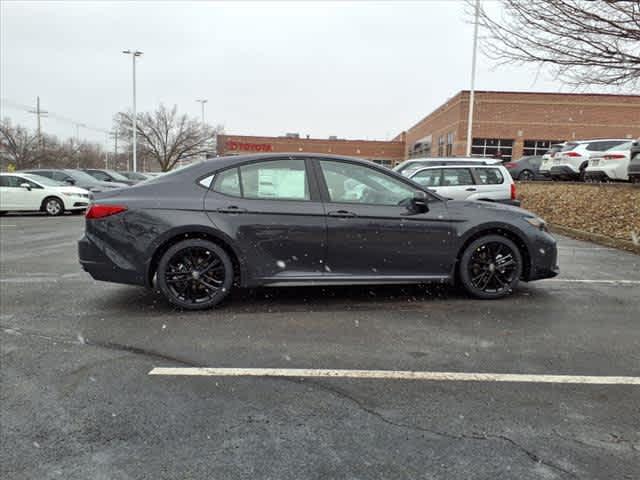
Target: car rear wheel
<point>490,267</point>
<point>195,274</point>
<point>53,206</point>
<point>526,175</point>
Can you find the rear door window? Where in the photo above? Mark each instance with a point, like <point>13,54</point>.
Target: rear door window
<point>489,176</point>
<point>429,178</point>
<point>228,183</point>
<point>276,180</point>
<point>452,177</point>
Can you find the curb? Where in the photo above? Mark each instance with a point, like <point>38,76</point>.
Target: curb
<point>596,238</point>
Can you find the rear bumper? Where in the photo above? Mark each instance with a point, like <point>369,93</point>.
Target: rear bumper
<point>100,266</point>
<point>563,171</point>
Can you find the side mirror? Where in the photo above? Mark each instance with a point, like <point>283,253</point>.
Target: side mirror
<point>70,181</point>
<point>26,185</point>
<point>420,202</point>
<point>108,179</point>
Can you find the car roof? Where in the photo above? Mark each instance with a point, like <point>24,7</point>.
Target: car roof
<point>433,167</point>
<point>600,140</point>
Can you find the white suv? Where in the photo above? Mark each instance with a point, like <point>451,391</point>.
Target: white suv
<point>571,162</point>
<point>469,182</point>
<point>547,159</point>
<point>611,164</point>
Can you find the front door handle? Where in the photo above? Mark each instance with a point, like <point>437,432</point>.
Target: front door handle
<point>232,209</point>
<point>471,189</point>
<point>342,214</point>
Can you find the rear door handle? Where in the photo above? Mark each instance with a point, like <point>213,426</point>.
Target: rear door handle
<point>342,214</point>
<point>471,189</point>
<point>232,209</point>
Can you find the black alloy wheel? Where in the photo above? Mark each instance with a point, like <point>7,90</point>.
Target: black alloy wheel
<point>195,274</point>
<point>526,175</point>
<point>490,267</point>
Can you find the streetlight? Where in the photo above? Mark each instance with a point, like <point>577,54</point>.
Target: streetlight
<point>473,79</point>
<point>202,101</point>
<point>134,54</point>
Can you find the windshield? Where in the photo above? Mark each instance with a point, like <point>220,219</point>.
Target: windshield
<point>44,180</point>
<point>117,176</point>
<point>82,177</point>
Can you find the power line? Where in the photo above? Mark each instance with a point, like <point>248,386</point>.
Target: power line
<point>55,116</point>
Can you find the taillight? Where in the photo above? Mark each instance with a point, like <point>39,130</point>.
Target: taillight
<point>101,211</point>
<point>614,156</point>
<point>510,165</point>
<point>513,191</point>
<point>571,154</point>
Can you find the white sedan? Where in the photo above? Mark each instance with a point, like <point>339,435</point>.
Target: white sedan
<point>25,192</point>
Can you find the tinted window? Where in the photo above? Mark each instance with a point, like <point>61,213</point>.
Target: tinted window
<point>602,146</point>
<point>456,176</point>
<point>279,180</point>
<point>489,176</point>
<point>15,182</point>
<point>568,147</point>
<point>429,178</point>
<point>100,176</point>
<point>350,183</point>
<point>228,182</point>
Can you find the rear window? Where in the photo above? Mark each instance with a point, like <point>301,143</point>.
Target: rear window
<point>602,146</point>
<point>489,176</point>
<point>569,146</point>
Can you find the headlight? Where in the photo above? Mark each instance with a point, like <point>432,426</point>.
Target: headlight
<point>538,223</point>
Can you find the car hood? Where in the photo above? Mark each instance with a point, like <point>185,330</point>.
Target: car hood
<point>489,207</point>
<point>77,190</point>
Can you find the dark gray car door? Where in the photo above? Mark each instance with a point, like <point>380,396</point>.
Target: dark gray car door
<point>370,230</point>
<point>273,214</point>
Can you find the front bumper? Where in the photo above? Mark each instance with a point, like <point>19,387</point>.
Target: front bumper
<point>544,257</point>
<point>101,266</point>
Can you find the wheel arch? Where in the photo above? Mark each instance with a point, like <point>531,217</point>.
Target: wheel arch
<point>170,238</point>
<point>51,197</point>
<point>503,230</point>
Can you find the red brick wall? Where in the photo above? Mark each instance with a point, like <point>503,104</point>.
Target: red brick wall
<point>531,116</point>
<point>371,149</point>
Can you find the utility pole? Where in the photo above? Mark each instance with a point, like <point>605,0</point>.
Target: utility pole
<point>39,113</point>
<point>134,54</point>
<point>78,125</point>
<point>473,79</point>
<point>114,135</point>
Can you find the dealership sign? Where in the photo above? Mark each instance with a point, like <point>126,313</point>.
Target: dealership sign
<point>251,147</point>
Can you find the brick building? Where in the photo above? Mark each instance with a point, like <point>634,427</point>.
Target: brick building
<point>510,124</point>
<point>384,152</point>
<point>518,123</point>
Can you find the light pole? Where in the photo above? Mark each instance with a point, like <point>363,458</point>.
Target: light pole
<point>202,101</point>
<point>134,54</point>
<point>473,78</point>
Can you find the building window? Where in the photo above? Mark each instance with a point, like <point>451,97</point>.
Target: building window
<point>449,144</point>
<point>537,147</point>
<point>383,162</point>
<point>441,146</point>
<point>492,148</point>
<point>420,149</point>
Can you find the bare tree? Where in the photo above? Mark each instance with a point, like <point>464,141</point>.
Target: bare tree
<point>166,137</point>
<point>584,42</point>
<point>19,146</point>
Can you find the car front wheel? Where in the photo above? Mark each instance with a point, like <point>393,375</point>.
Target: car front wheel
<point>526,175</point>
<point>195,274</point>
<point>53,206</point>
<point>490,267</point>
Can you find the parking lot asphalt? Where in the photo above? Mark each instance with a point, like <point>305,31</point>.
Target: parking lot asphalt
<point>77,402</point>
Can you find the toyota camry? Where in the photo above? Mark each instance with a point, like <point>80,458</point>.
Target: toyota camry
<point>305,219</point>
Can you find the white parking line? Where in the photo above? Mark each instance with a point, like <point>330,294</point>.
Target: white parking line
<point>393,375</point>
<point>577,280</point>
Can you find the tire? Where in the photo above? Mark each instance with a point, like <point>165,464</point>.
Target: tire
<point>53,206</point>
<point>3,212</point>
<point>484,256</point>
<point>195,274</point>
<point>526,175</point>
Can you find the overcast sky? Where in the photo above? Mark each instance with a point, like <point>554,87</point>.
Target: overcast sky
<point>356,70</point>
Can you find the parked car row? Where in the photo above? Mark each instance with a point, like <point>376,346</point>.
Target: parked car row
<point>55,191</point>
<point>589,160</point>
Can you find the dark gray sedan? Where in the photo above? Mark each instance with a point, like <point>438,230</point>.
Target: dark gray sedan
<point>305,219</point>
<point>526,168</point>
